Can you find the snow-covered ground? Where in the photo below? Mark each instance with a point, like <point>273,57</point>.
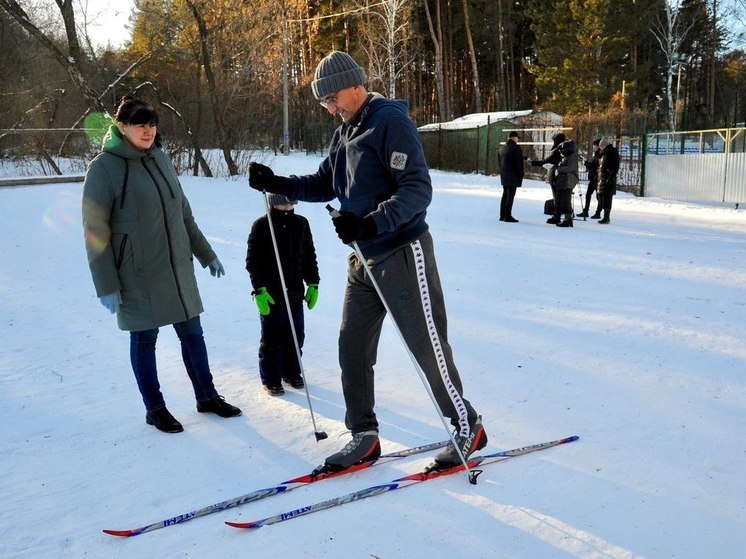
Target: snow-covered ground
<point>630,335</point>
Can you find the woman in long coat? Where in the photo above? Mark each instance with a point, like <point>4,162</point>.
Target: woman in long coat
<point>608,168</point>
<point>141,238</point>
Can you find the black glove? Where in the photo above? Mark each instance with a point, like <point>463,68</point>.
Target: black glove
<point>262,178</point>
<point>353,228</point>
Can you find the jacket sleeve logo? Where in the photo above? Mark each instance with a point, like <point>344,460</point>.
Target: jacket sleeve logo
<point>398,160</point>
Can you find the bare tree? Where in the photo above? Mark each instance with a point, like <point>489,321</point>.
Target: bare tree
<point>670,33</point>
<point>503,99</point>
<point>436,35</point>
<point>737,11</point>
<point>40,115</point>
<point>70,61</point>
<point>387,32</point>
<point>473,58</point>
<point>212,86</point>
<point>199,159</point>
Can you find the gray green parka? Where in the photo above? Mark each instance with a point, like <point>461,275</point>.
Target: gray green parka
<point>140,235</point>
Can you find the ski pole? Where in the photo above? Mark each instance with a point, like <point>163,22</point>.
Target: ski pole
<point>472,474</point>
<point>319,434</point>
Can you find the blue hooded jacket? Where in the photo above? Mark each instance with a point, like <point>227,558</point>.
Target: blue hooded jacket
<point>375,166</point>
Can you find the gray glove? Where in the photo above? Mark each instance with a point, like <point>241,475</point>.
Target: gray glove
<point>112,301</point>
<point>216,268</point>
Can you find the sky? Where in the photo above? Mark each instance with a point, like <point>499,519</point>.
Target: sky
<point>112,16</point>
<point>109,21</point>
<point>629,335</point>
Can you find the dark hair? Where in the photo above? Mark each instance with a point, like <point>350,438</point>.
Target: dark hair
<point>135,111</point>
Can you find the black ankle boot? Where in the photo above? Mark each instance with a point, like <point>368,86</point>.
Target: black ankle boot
<point>163,421</point>
<point>565,223</point>
<point>218,406</point>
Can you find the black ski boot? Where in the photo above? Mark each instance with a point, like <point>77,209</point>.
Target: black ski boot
<point>364,447</point>
<point>475,440</point>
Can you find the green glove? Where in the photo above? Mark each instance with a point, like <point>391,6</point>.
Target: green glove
<point>263,300</point>
<point>312,295</point>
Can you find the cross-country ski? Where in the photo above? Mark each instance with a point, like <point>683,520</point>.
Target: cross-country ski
<point>283,487</point>
<point>400,483</point>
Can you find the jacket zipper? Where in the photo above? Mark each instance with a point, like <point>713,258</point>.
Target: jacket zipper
<point>122,246</point>
<point>168,235</point>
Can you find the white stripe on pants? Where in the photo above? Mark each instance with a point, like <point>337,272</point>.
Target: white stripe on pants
<point>409,281</point>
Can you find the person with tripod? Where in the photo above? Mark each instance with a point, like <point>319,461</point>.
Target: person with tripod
<point>591,166</point>
<point>376,169</point>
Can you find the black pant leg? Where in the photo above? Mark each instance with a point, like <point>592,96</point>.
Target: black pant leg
<point>506,203</point>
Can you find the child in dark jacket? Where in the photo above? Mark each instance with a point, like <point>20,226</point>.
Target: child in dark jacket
<point>278,360</point>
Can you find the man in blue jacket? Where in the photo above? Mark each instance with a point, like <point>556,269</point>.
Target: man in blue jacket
<point>376,169</point>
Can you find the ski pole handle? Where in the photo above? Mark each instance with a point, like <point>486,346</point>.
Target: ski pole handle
<point>332,211</point>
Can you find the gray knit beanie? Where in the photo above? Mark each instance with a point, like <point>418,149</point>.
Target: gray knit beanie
<point>279,200</point>
<point>336,72</point>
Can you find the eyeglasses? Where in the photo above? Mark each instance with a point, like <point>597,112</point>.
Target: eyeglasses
<point>329,100</point>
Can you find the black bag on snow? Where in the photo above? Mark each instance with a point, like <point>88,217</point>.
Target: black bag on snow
<point>549,207</point>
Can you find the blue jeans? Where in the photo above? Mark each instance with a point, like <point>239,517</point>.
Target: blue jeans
<point>193,352</point>
<point>277,356</point>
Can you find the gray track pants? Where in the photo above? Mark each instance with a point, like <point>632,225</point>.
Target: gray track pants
<point>411,286</point>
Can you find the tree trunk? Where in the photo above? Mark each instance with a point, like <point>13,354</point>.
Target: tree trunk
<point>437,37</point>
<point>473,56</point>
<point>502,93</point>
<point>714,44</point>
<point>212,88</point>
<point>71,61</point>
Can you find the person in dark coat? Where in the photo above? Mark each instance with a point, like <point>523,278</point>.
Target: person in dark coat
<point>278,359</point>
<point>511,160</point>
<point>376,169</point>
<point>566,177</point>
<point>591,166</point>
<point>608,168</point>
<point>141,237</point>
<point>550,164</point>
